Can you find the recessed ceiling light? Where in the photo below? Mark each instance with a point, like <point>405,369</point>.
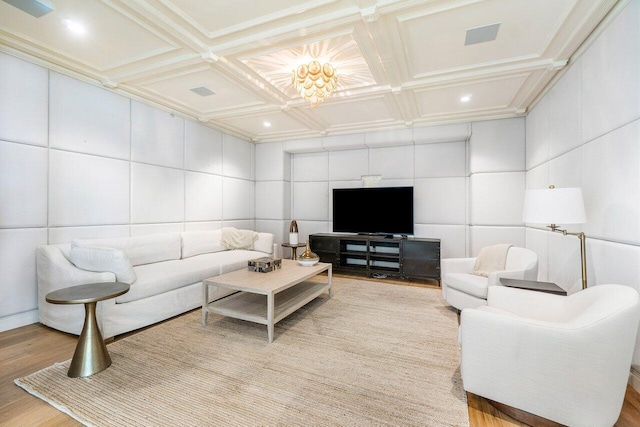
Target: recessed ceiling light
<point>74,27</point>
<point>465,98</point>
<point>266,124</point>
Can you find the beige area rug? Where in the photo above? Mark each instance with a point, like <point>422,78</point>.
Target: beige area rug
<point>375,354</point>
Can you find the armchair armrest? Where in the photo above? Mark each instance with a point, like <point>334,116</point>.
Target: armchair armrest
<point>457,265</point>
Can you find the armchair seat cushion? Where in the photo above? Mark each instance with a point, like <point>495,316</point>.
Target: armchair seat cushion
<point>463,289</point>
<point>468,283</point>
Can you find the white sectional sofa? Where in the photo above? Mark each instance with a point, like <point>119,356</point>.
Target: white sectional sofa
<point>165,272</point>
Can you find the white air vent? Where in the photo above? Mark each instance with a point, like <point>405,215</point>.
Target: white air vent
<point>34,8</point>
<point>483,34</point>
<point>202,91</point>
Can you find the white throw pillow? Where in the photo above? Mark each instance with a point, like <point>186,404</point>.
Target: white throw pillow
<point>94,258</point>
<point>232,238</point>
<point>264,243</point>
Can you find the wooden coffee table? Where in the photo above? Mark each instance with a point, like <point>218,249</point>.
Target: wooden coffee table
<point>266,298</point>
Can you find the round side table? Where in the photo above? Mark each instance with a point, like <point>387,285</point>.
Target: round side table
<point>91,355</point>
<point>294,248</point>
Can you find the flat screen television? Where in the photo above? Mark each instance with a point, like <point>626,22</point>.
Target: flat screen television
<point>380,210</point>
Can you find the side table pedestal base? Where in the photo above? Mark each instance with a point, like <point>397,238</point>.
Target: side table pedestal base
<point>91,355</point>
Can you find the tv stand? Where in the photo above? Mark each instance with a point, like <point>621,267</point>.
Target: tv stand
<point>404,257</point>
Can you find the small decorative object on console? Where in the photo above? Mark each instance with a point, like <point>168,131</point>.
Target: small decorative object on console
<point>293,233</point>
<point>308,258</point>
<point>264,264</point>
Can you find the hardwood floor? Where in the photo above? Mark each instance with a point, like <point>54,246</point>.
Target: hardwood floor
<point>24,351</point>
<point>30,348</point>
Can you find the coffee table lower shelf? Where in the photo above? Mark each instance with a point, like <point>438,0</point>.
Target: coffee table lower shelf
<point>253,307</point>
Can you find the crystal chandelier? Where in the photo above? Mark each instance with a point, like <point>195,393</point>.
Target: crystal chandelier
<point>314,81</point>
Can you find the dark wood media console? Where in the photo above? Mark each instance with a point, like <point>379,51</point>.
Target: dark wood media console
<point>409,257</point>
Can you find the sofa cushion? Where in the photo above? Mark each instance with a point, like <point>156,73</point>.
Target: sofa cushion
<point>235,260</point>
<point>233,239</point>
<point>468,283</point>
<point>141,249</point>
<point>94,258</point>
<point>264,243</point>
<point>161,277</point>
<point>201,242</point>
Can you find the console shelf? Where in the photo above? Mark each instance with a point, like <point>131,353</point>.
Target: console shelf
<point>402,257</point>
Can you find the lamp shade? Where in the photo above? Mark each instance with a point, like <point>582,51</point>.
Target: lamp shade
<point>554,206</point>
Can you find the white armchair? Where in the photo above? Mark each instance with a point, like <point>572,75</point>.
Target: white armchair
<point>563,358</point>
<point>462,289</point>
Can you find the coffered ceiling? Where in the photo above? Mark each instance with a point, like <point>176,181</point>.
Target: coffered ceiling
<point>400,62</point>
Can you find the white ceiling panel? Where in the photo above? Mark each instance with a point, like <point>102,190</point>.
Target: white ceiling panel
<point>227,94</point>
<point>487,95</point>
<point>436,42</point>
<point>268,123</point>
<point>374,111</point>
<point>399,62</point>
<point>109,41</point>
<point>217,17</point>
<point>342,52</point>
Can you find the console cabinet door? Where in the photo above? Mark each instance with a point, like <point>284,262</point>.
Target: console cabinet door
<point>327,248</point>
<point>421,259</point>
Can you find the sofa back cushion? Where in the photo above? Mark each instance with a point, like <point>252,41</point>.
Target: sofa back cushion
<point>141,249</point>
<point>95,258</point>
<point>201,242</point>
<point>264,243</point>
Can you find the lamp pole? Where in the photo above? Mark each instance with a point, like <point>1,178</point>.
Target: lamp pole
<point>583,249</point>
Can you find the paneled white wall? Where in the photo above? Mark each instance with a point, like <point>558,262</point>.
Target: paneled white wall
<point>24,104</point>
<point>88,119</point>
<point>586,133</point>
<point>23,185</point>
<point>87,190</point>
<point>460,173</point>
<point>497,183</point>
<point>438,175</point>
<point>77,160</point>
<point>273,191</point>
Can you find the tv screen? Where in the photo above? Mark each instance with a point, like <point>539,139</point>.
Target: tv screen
<point>386,210</point>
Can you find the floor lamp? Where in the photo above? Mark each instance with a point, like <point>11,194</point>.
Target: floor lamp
<point>558,206</point>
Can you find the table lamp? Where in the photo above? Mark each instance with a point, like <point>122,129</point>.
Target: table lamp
<point>558,206</point>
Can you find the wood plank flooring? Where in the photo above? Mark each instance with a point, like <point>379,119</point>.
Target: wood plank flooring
<point>34,347</point>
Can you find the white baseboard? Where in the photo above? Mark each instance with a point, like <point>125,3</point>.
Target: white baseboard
<point>17,320</point>
<point>634,379</point>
